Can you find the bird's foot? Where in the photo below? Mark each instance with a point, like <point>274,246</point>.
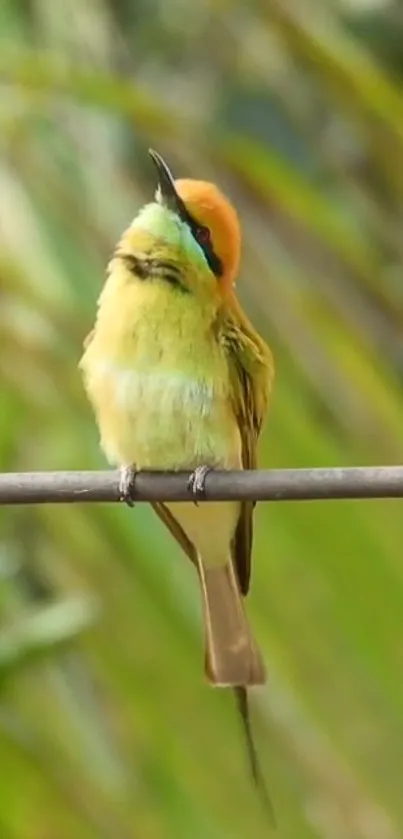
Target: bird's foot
<point>197,481</point>
<point>126,484</point>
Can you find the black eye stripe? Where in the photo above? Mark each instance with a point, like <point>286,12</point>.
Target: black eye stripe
<point>213,261</point>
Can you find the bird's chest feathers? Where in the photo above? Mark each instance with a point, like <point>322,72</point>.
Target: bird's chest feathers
<point>167,384</point>
<point>158,391</point>
<point>168,358</point>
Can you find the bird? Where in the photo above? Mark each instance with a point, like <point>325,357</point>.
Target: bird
<point>179,379</point>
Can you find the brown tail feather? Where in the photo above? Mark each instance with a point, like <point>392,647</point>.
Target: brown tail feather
<point>232,657</point>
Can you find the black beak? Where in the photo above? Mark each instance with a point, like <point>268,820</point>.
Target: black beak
<point>169,196</point>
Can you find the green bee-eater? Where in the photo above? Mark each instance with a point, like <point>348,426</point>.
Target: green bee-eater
<point>179,379</point>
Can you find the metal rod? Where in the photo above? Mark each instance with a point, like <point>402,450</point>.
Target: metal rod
<point>259,485</point>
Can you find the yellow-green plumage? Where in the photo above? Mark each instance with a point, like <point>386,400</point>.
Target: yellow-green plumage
<point>158,376</point>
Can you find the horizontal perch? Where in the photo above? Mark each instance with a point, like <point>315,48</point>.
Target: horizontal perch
<point>259,485</point>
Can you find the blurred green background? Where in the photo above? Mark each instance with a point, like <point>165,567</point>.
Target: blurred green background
<point>107,729</point>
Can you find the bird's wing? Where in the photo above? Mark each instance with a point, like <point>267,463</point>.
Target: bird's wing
<point>251,370</point>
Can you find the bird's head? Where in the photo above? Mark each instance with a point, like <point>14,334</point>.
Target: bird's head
<point>197,221</point>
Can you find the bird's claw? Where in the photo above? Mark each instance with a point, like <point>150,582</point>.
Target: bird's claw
<point>197,482</point>
<point>127,484</point>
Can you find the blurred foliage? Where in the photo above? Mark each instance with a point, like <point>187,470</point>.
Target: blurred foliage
<point>296,110</point>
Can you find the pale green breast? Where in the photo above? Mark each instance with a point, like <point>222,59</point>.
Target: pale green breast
<point>163,400</point>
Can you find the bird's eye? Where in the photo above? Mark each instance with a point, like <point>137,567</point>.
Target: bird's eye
<point>203,235</point>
